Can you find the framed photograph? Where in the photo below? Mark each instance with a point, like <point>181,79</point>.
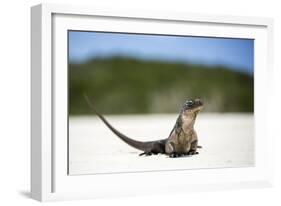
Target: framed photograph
<point>137,102</point>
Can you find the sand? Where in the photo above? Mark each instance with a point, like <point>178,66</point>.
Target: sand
<point>227,141</point>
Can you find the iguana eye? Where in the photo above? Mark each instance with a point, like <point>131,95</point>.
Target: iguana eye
<point>190,102</point>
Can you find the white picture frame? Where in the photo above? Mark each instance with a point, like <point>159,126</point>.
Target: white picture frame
<point>49,178</point>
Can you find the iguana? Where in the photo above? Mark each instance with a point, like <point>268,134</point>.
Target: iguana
<point>181,141</point>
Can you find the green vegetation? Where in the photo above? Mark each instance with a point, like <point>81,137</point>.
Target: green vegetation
<point>124,85</point>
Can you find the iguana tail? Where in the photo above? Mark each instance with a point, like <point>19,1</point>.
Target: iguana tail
<point>144,146</point>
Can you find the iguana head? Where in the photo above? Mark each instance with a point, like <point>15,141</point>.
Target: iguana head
<point>189,111</point>
<point>191,105</point>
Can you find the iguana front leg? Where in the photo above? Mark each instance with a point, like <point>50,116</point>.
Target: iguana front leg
<point>171,150</point>
<point>178,153</point>
<point>193,148</point>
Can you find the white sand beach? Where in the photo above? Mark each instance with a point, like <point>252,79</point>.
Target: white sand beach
<point>227,141</point>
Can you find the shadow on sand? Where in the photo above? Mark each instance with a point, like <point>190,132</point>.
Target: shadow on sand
<point>25,193</point>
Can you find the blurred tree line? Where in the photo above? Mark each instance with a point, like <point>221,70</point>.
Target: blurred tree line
<point>124,85</point>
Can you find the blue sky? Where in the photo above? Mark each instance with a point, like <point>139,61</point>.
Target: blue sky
<point>237,54</point>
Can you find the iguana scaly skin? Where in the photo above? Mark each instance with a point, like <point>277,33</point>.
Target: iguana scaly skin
<point>182,140</point>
